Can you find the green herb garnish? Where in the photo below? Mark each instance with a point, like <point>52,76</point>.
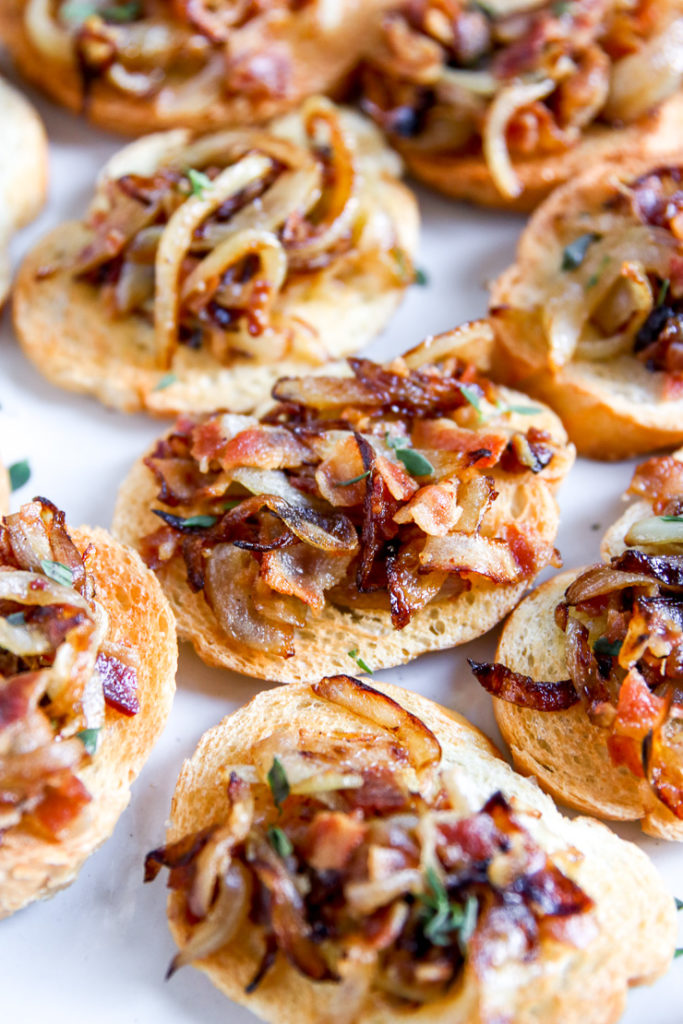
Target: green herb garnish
<point>574,254</point>
<point>188,524</point>
<point>89,738</point>
<point>19,474</point>
<point>416,464</point>
<point>594,278</point>
<point>421,277</point>
<point>663,292</point>
<point>442,918</point>
<point>77,12</point>
<point>679,903</point>
<point>471,396</point>
<point>671,519</point>
<point>354,480</point>
<point>679,952</point>
<point>521,410</point>
<point>58,572</point>
<point>165,381</point>
<point>280,841</point>
<point>603,646</point>
<point>278,782</point>
<point>362,665</point>
<point>16,619</point>
<point>198,181</point>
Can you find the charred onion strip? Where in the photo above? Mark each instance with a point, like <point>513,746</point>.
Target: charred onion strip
<point>502,682</point>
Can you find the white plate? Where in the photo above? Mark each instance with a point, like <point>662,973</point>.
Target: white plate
<point>99,950</point>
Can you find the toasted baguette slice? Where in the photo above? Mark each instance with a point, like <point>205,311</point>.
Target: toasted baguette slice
<point>280,60</point>
<point>66,329</point>
<point>23,171</point>
<point>139,615</point>
<point>566,752</point>
<point>468,177</point>
<point>612,407</point>
<point>632,944</point>
<point>324,642</point>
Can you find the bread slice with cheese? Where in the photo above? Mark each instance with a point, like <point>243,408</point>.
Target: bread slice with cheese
<point>577,316</point>
<point>626,939</point>
<point>33,864</point>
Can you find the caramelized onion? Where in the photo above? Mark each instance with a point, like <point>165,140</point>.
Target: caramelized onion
<point>500,681</point>
<point>363,700</point>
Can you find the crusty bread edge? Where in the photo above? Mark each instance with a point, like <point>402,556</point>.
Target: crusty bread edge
<point>469,179</point>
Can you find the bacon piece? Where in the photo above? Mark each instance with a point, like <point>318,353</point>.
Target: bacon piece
<point>304,573</point>
<point>445,435</point>
<point>18,696</point>
<point>266,448</point>
<point>64,798</point>
<point>659,480</point>
<point>638,713</point>
<point>119,683</point>
<point>331,840</point>
<point>434,509</point>
<point>500,681</point>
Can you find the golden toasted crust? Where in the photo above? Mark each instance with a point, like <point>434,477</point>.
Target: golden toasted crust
<point>469,178</point>
<point>32,868</point>
<point>635,916</point>
<point>323,645</point>
<point>65,330</point>
<point>563,749</point>
<point>320,60</point>
<point>23,171</point>
<point>613,409</point>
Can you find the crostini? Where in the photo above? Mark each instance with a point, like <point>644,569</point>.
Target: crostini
<point>150,65</point>
<point>590,668</point>
<point>351,854</point>
<point>209,266</point>
<point>500,102</point>
<point>399,509</point>
<point>87,673</point>
<point>590,317</point>
<point>23,171</point>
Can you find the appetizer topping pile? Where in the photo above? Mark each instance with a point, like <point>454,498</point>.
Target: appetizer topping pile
<point>185,52</point>
<point>377,491</point>
<point>621,287</point>
<point>624,628</point>
<point>459,77</point>
<point>207,245</point>
<point>57,672</point>
<point>361,861</point>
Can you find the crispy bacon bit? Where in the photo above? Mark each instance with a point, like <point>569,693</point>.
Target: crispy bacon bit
<point>342,870</point>
<point>521,690</point>
<point>659,481</point>
<point>335,510</point>
<point>119,683</point>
